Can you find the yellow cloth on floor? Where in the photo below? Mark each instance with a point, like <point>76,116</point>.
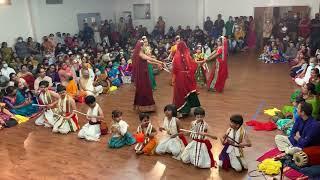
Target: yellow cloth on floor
<point>271,112</point>
<point>113,88</point>
<point>270,167</point>
<point>21,119</point>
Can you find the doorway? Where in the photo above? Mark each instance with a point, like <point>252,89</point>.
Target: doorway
<point>261,14</point>
<point>88,18</point>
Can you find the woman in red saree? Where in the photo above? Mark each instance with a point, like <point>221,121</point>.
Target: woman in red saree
<point>27,76</point>
<point>143,100</point>
<point>184,83</point>
<point>219,73</point>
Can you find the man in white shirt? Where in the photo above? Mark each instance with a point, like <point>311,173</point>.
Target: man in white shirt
<point>42,77</point>
<point>6,70</point>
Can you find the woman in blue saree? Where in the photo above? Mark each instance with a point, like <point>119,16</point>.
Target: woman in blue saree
<point>19,103</point>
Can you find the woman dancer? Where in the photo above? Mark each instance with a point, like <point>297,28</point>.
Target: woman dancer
<point>184,84</point>
<point>143,100</point>
<point>219,73</point>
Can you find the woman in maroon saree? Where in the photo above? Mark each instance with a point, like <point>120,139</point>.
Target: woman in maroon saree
<point>219,73</point>
<point>184,84</point>
<point>27,76</point>
<point>251,38</point>
<point>143,100</point>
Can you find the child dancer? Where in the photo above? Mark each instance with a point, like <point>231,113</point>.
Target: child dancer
<point>234,141</point>
<point>201,69</point>
<point>198,151</point>
<point>65,119</point>
<point>148,145</point>
<point>91,130</point>
<point>173,143</point>
<point>49,99</point>
<point>120,134</point>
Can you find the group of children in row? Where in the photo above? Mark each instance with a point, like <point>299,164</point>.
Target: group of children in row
<point>57,110</point>
<point>197,152</point>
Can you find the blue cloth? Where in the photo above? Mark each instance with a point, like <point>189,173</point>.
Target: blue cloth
<point>27,110</point>
<point>295,113</point>
<point>118,142</point>
<point>309,131</point>
<point>114,75</point>
<point>312,172</point>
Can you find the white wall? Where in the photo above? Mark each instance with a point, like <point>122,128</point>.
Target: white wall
<point>35,18</point>
<point>63,17</point>
<point>174,12</point>
<point>127,5</point>
<point>14,21</point>
<point>179,12</point>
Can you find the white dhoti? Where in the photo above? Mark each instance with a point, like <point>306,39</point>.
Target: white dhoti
<point>170,145</point>
<point>173,146</point>
<point>95,91</point>
<point>46,119</point>
<point>90,132</point>
<point>65,126</point>
<point>61,124</point>
<point>197,154</point>
<point>237,163</point>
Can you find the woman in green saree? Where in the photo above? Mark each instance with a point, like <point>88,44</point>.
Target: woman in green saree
<point>309,94</point>
<point>6,52</point>
<point>148,51</point>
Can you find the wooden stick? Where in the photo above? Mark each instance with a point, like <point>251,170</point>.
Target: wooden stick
<point>233,140</point>
<point>166,69</point>
<point>208,135</point>
<point>39,105</point>
<point>80,112</point>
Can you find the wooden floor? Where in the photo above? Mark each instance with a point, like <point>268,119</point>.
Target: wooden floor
<point>30,152</point>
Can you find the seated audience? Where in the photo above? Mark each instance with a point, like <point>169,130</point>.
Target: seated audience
<point>6,70</point>
<point>303,134</point>
<point>17,103</point>
<point>42,77</point>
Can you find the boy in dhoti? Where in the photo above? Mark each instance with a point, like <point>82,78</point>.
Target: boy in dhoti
<point>66,119</point>
<point>48,100</point>
<point>234,141</point>
<point>91,130</point>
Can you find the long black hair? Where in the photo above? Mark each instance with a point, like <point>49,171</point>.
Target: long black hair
<point>172,108</point>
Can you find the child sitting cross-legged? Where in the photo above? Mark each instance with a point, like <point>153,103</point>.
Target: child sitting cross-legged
<point>91,130</point>
<point>147,142</point>
<point>120,135</point>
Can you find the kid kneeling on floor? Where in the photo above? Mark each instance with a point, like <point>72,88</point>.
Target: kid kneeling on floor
<point>234,141</point>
